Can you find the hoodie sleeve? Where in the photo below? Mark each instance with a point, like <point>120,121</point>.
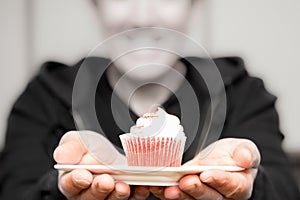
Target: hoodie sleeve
<point>39,118</point>
<point>252,115</point>
<point>33,132</point>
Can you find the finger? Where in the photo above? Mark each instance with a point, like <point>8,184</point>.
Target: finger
<point>229,151</point>
<point>237,185</point>
<point>101,188</point>
<point>173,192</point>
<point>246,155</point>
<point>158,191</point>
<point>121,192</point>
<point>192,186</point>
<point>69,153</point>
<point>72,183</point>
<point>70,150</point>
<point>141,192</point>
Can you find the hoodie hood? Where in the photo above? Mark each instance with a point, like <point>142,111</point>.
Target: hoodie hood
<point>59,78</point>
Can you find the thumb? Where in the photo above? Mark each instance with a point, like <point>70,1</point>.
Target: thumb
<point>70,149</point>
<point>87,147</point>
<point>246,155</point>
<point>101,149</point>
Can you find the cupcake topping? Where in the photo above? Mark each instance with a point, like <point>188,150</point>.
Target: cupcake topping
<point>158,123</point>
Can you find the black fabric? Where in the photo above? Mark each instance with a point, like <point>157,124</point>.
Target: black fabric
<point>43,114</point>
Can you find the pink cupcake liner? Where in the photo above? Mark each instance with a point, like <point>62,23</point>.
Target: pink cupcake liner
<point>154,151</point>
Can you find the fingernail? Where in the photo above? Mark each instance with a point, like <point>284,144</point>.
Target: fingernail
<point>82,183</point>
<point>101,190</point>
<point>176,196</point>
<point>206,178</point>
<point>138,197</point>
<point>160,191</point>
<point>244,158</point>
<point>120,196</point>
<point>190,187</point>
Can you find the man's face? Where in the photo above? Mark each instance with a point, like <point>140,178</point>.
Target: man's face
<point>122,15</point>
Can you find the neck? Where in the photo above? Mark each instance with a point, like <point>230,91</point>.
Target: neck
<point>140,99</point>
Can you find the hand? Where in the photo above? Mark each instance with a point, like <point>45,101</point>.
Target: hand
<point>80,183</point>
<point>218,184</point>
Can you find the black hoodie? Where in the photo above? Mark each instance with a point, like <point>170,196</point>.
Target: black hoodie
<point>43,113</point>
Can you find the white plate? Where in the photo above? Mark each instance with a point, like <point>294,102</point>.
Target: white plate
<point>158,176</point>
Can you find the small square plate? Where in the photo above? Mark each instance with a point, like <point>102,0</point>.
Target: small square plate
<point>155,176</point>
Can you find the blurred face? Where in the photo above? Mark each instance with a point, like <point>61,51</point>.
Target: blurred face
<point>122,15</point>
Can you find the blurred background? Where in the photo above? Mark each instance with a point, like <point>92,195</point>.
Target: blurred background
<point>265,33</point>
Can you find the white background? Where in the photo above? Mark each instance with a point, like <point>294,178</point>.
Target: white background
<point>264,32</point>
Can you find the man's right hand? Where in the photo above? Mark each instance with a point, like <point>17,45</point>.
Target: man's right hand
<point>80,184</point>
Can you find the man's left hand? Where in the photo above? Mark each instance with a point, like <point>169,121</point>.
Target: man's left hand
<point>218,184</point>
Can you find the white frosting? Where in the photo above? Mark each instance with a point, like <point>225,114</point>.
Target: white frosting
<point>158,124</point>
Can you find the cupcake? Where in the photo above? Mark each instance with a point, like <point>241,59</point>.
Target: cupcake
<point>156,140</point>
